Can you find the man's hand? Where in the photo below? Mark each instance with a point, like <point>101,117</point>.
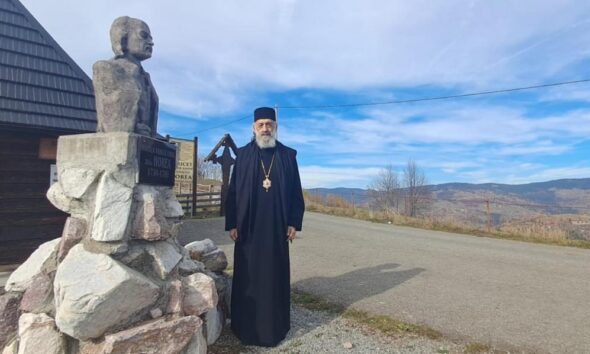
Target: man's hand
<point>233,233</point>
<point>291,232</point>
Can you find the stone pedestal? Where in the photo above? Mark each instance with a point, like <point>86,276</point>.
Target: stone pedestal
<point>118,264</point>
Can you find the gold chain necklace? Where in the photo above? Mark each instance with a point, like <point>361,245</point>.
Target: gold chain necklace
<point>266,184</point>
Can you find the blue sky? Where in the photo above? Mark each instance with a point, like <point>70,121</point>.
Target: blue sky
<point>215,61</point>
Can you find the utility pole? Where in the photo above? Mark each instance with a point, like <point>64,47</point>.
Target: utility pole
<point>489,215</point>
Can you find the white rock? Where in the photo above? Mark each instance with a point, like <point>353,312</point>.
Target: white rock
<point>11,348</point>
<point>188,266</point>
<point>214,321</point>
<point>172,208</point>
<point>37,334</point>
<point>57,197</point>
<point>112,210</point>
<point>347,345</point>
<point>197,345</point>
<point>43,259</point>
<point>76,181</point>
<point>165,257</point>
<point>155,313</point>
<point>94,293</point>
<point>200,294</point>
<point>198,248</point>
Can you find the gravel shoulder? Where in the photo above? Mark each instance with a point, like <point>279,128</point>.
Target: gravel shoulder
<point>317,332</point>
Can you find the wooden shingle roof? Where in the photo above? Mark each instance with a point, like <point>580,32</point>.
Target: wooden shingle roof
<point>40,85</point>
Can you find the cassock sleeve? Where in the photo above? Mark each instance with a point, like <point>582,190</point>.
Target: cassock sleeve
<point>297,206</point>
<point>230,202</point>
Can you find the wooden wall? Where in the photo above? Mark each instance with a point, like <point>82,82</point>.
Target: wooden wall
<point>27,218</point>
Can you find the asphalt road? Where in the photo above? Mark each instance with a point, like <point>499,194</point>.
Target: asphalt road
<point>510,294</point>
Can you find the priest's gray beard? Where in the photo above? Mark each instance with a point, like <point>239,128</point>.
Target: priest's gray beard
<point>266,141</point>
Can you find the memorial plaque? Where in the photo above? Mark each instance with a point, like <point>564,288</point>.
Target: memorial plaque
<point>184,166</point>
<point>157,162</point>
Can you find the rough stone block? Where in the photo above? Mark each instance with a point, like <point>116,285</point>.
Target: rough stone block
<point>200,294</point>
<point>156,313</point>
<point>188,266</point>
<point>94,293</point>
<point>114,153</point>
<point>73,233</point>
<point>215,261</point>
<point>157,213</point>
<point>11,347</point>
<point>44,259</point>
<point>165,257</point>
<point>146,225</point>
<point>154,337</point>
<point>110,248</point>
<point>198,248</point>
<point>171,207</point>
<point>9,314</point>
<point>57,197</point>
<point>37,334</point>
<point>197,345</point>
<point>39,296</point>
<point>75,181</point>
<point>112,210</point>
<point>214,322</point>
<point>175,298</point>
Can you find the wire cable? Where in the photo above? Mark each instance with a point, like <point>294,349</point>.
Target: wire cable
<point>224,124</point>
<point>422,99</point>
<point>480,93</point>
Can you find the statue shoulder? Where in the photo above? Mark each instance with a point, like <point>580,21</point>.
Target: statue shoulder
<point>119,65</point>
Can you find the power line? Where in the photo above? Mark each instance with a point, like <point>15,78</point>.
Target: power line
<point>422,99</point>
<point>224,124</point>
<point>480,93</point>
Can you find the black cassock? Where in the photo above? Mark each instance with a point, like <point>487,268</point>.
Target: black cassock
<point>261,289</point>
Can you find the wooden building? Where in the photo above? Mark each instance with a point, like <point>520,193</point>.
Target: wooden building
<point>43,94</point>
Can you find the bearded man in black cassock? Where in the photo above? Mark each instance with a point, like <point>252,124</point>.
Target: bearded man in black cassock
<point>264,210</point>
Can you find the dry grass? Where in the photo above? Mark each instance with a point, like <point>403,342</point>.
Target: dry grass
<point>390,326</point>
<point>476,348</point>
<point>528,232</point>
<point>384,324</point>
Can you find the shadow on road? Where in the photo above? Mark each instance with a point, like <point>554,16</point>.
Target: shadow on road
<point>348,288</point>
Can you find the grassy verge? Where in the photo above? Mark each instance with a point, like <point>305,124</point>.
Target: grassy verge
<point>547,237</point>
<point>383,324</point>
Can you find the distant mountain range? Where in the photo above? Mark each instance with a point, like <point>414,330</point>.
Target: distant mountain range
<point>466,203</point>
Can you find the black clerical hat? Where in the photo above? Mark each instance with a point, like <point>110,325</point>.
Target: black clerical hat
<point>265,113</point>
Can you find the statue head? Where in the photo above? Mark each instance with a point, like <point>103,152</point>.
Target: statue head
<point>131,37</point>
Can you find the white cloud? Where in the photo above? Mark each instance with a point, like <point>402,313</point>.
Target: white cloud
<point>318,176</point>
<point>212,57</point>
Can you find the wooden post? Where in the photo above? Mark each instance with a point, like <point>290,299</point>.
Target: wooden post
<point>226,163</point>
<point>195,176</point>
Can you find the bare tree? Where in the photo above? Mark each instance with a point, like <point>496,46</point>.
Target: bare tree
<point>416,191</point>
<point>384,190</point>
<point>208,170</point>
